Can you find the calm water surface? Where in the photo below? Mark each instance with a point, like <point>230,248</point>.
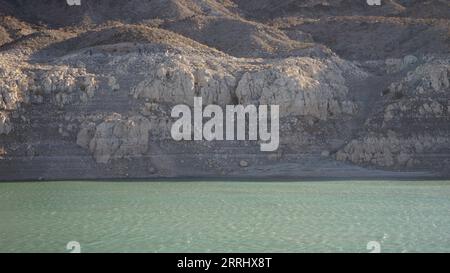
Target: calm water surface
<point>225,217</point>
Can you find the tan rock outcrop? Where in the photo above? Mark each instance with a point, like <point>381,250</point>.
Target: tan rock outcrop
<point>23,82</point>
<point>431,77</point>
<point>177,80</point>
<point>423,93</point>
<point>301,86</point>
<point>116,137</point>
<point>65,85</point>
<point>309,86</point>
<point>13,84</point>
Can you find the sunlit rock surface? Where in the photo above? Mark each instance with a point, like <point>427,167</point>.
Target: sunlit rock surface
<point>86,92</point>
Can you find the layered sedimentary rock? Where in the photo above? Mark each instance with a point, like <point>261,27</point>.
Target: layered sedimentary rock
<point>84,97</point>
<point>414,127</point>
<point>116,137</point>
<point>310,87</point>
<point>176,79</point>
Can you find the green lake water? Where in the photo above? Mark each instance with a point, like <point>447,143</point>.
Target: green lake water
<point>339,216</point>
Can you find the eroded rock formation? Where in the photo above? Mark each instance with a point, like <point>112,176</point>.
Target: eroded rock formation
<point>362,91</point>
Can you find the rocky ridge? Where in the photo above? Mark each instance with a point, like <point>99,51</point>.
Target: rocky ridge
<point>86,92</point>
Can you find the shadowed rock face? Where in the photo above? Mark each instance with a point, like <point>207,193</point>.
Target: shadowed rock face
<point>86,91</point>
<point>322,8</point>
<point>58,13</point>
<point>371,38</point>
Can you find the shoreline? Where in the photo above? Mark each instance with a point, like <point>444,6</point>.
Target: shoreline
<point>240,179</point>
<point>288,170</point>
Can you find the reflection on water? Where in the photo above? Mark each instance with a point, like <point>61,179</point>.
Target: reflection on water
<point>225,217</point>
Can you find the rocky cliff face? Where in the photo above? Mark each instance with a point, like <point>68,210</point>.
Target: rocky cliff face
<point>86,92</point>
<point>412,129</point>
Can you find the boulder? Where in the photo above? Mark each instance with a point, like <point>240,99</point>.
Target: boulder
<point>117,137</point>
<point>243,164</point>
